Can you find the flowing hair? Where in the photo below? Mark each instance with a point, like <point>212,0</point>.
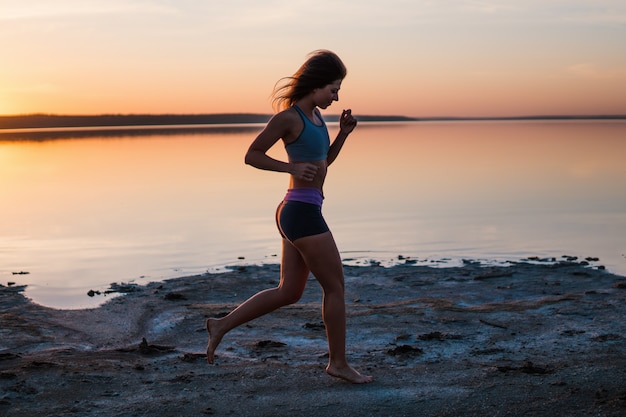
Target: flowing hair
<point>320,69</point>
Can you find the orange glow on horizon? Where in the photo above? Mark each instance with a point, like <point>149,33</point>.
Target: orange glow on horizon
<point>421,60</point>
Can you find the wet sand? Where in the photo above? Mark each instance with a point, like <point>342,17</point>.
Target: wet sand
<point>530,339</point>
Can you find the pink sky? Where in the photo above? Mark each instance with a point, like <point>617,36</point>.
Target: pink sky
<point>414,58</point>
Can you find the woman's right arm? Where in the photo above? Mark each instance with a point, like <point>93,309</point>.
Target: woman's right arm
<point>256,156</point>
<point>279,127</point>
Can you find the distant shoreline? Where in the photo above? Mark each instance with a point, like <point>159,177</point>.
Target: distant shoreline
<point>49,121</point>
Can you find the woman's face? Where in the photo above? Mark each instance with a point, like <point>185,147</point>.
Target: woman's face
<point>324,97</point>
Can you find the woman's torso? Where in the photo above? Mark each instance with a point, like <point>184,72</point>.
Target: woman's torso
<point>311,146</point>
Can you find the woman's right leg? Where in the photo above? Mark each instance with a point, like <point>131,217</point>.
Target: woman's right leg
<point>293,277</point>
<point>322,256</point>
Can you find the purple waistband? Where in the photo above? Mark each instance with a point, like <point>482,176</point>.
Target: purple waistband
<point>305,195</point>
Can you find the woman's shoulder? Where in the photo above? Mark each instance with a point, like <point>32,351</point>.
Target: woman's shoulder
<point>287,118</point>
<point>286,124</point>
<point>289,114</point>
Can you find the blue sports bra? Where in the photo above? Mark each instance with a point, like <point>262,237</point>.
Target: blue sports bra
<point>312,144</point>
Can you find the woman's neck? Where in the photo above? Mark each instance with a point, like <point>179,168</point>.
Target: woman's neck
<point>307,106</point>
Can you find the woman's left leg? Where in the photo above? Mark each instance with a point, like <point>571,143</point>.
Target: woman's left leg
<point>293,277</point>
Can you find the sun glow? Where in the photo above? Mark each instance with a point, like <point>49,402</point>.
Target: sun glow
<point>426,59</point>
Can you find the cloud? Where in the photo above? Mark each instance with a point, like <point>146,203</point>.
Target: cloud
<point>576,12</point>
<point>488,7</point>
<point>593,71</point>
<point>607,18</point>
<point>43,9</point>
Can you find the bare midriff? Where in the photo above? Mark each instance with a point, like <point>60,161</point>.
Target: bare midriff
<point>316,182</point>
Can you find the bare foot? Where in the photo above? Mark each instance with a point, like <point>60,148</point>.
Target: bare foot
<point>214,340</point>
<point>349,374</point>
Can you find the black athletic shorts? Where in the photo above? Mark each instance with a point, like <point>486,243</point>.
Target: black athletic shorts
<point>296,219</point>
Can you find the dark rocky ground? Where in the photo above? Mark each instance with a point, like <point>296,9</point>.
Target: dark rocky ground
<point>532,339</point>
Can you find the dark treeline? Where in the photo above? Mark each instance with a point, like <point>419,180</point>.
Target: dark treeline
<point>105,120</point>
<point>513,118</point>
<point>31,121</point>
<point>38,121</point>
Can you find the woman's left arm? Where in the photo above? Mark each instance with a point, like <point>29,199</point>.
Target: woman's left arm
<point>347,123</point>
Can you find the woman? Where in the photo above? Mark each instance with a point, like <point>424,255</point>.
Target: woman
<point>308,245</point>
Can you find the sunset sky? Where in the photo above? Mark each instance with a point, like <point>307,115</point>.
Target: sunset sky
<point>404,57</point>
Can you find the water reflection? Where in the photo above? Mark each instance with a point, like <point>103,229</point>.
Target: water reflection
<point>129,205</point>
<point>123,132</point>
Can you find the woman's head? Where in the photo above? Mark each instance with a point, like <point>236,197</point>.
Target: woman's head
<point>319,70</point>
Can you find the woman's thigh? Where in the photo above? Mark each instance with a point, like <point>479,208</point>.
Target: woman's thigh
<point>321,255</point>
<point>294,272</point>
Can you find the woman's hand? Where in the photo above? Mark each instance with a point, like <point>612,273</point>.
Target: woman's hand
<point>347,122</point>
<point>303,170</point>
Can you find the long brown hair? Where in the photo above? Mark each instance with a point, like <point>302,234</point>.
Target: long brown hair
<point>320,69</point>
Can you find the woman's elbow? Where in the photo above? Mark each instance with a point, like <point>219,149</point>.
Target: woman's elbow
<point>254,158</point>
<point>248,158</point>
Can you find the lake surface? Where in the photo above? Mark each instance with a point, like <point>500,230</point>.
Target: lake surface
<point>83,209</point>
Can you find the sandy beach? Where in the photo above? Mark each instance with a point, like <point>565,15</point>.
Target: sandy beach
<point>536,338</point>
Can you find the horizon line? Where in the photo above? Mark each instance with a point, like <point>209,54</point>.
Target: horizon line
<point>49,120</point>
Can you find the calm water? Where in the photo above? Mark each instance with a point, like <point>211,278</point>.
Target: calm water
<point>87,209</point>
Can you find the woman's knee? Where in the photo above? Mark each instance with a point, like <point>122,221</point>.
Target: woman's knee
<point>289,297</point>
<point>333,288</point>
<point>289,294</point>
